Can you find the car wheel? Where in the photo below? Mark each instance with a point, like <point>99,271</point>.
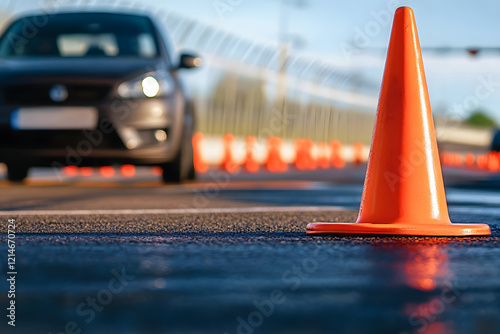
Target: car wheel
<point>495,143</point>
<point>182,168</point>
<point>17,173</point>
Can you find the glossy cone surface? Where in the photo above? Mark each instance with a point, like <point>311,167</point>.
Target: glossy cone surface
<point>403,192</point>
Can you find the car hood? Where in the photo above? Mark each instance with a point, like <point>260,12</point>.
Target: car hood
<point>108,69</point>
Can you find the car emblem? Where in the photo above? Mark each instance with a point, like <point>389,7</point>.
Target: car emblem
<point>58,93</point>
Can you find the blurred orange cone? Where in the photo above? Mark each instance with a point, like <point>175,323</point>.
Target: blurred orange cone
<point>199,164</point>
<point>275,162</point>
<point>336,154</point>
<point>451,159</point>
<point>357,149</point>
<point>311,161</point>
<point>300,154</point>
<point>127,170</point>
<point>70,170</point>
<point>107,171</point>
<point>469,159</point>
<point>228,163</point>
<point>447,159</point>
<point>323,160</point>
<point>482,161</point>
<point>156,170</point>
<point>493,163</point>
<point>403,192</point>
<point>251,165</point>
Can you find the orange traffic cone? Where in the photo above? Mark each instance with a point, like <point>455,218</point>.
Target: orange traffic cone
<point>493,162</point>
<point>251,165</point>
<point>482,161</point>
<point>311,161</point>
<point>357,149</point>
<point>323,160</point>
<point>300,154</point>
<point>403,192</point>
<point>228,163</point>
<point>336,154</point>
<point>70,170</point>
<point>107,171</point>
<point>469,159</point>
<point>199,164</point>
<point>275,162</point>
<point>127,170</point>
<point>444,158</point>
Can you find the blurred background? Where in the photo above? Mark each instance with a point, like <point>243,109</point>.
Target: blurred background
<point>311,69</point>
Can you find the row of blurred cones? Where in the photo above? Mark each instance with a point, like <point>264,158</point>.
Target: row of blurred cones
<point>311,156</point>
<point>489,162</point>
<point>308,155</point>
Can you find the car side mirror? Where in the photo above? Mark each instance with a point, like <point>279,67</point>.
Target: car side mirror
<point>189,61</point>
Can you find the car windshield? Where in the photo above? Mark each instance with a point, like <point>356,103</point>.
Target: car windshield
<point>80,35</point>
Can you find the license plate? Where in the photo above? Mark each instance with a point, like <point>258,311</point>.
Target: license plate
<point>59,118</point>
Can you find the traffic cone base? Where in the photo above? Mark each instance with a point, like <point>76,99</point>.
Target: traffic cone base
<point>432,230</point>
<point>403,192</point>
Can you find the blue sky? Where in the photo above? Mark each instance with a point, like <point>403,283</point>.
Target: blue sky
<point>325,26</point>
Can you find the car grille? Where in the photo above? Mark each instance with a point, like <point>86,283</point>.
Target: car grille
<point>38,95</point>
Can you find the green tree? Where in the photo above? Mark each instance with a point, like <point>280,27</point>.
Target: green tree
<point>480,118</point>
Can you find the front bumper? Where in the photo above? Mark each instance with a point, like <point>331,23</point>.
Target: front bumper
<point>98,157</point>
<point>125,134</point>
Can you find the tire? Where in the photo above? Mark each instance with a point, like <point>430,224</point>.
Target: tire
<point>17,173</point>
<point>495,142</point>
<point>182,168</point>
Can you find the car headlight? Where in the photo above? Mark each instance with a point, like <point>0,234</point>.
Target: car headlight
<point>150,85</point>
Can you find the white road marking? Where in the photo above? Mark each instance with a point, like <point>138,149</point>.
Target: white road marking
<point>172,211</point>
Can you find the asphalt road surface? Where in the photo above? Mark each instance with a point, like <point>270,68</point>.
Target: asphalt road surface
<point>230,255</point>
